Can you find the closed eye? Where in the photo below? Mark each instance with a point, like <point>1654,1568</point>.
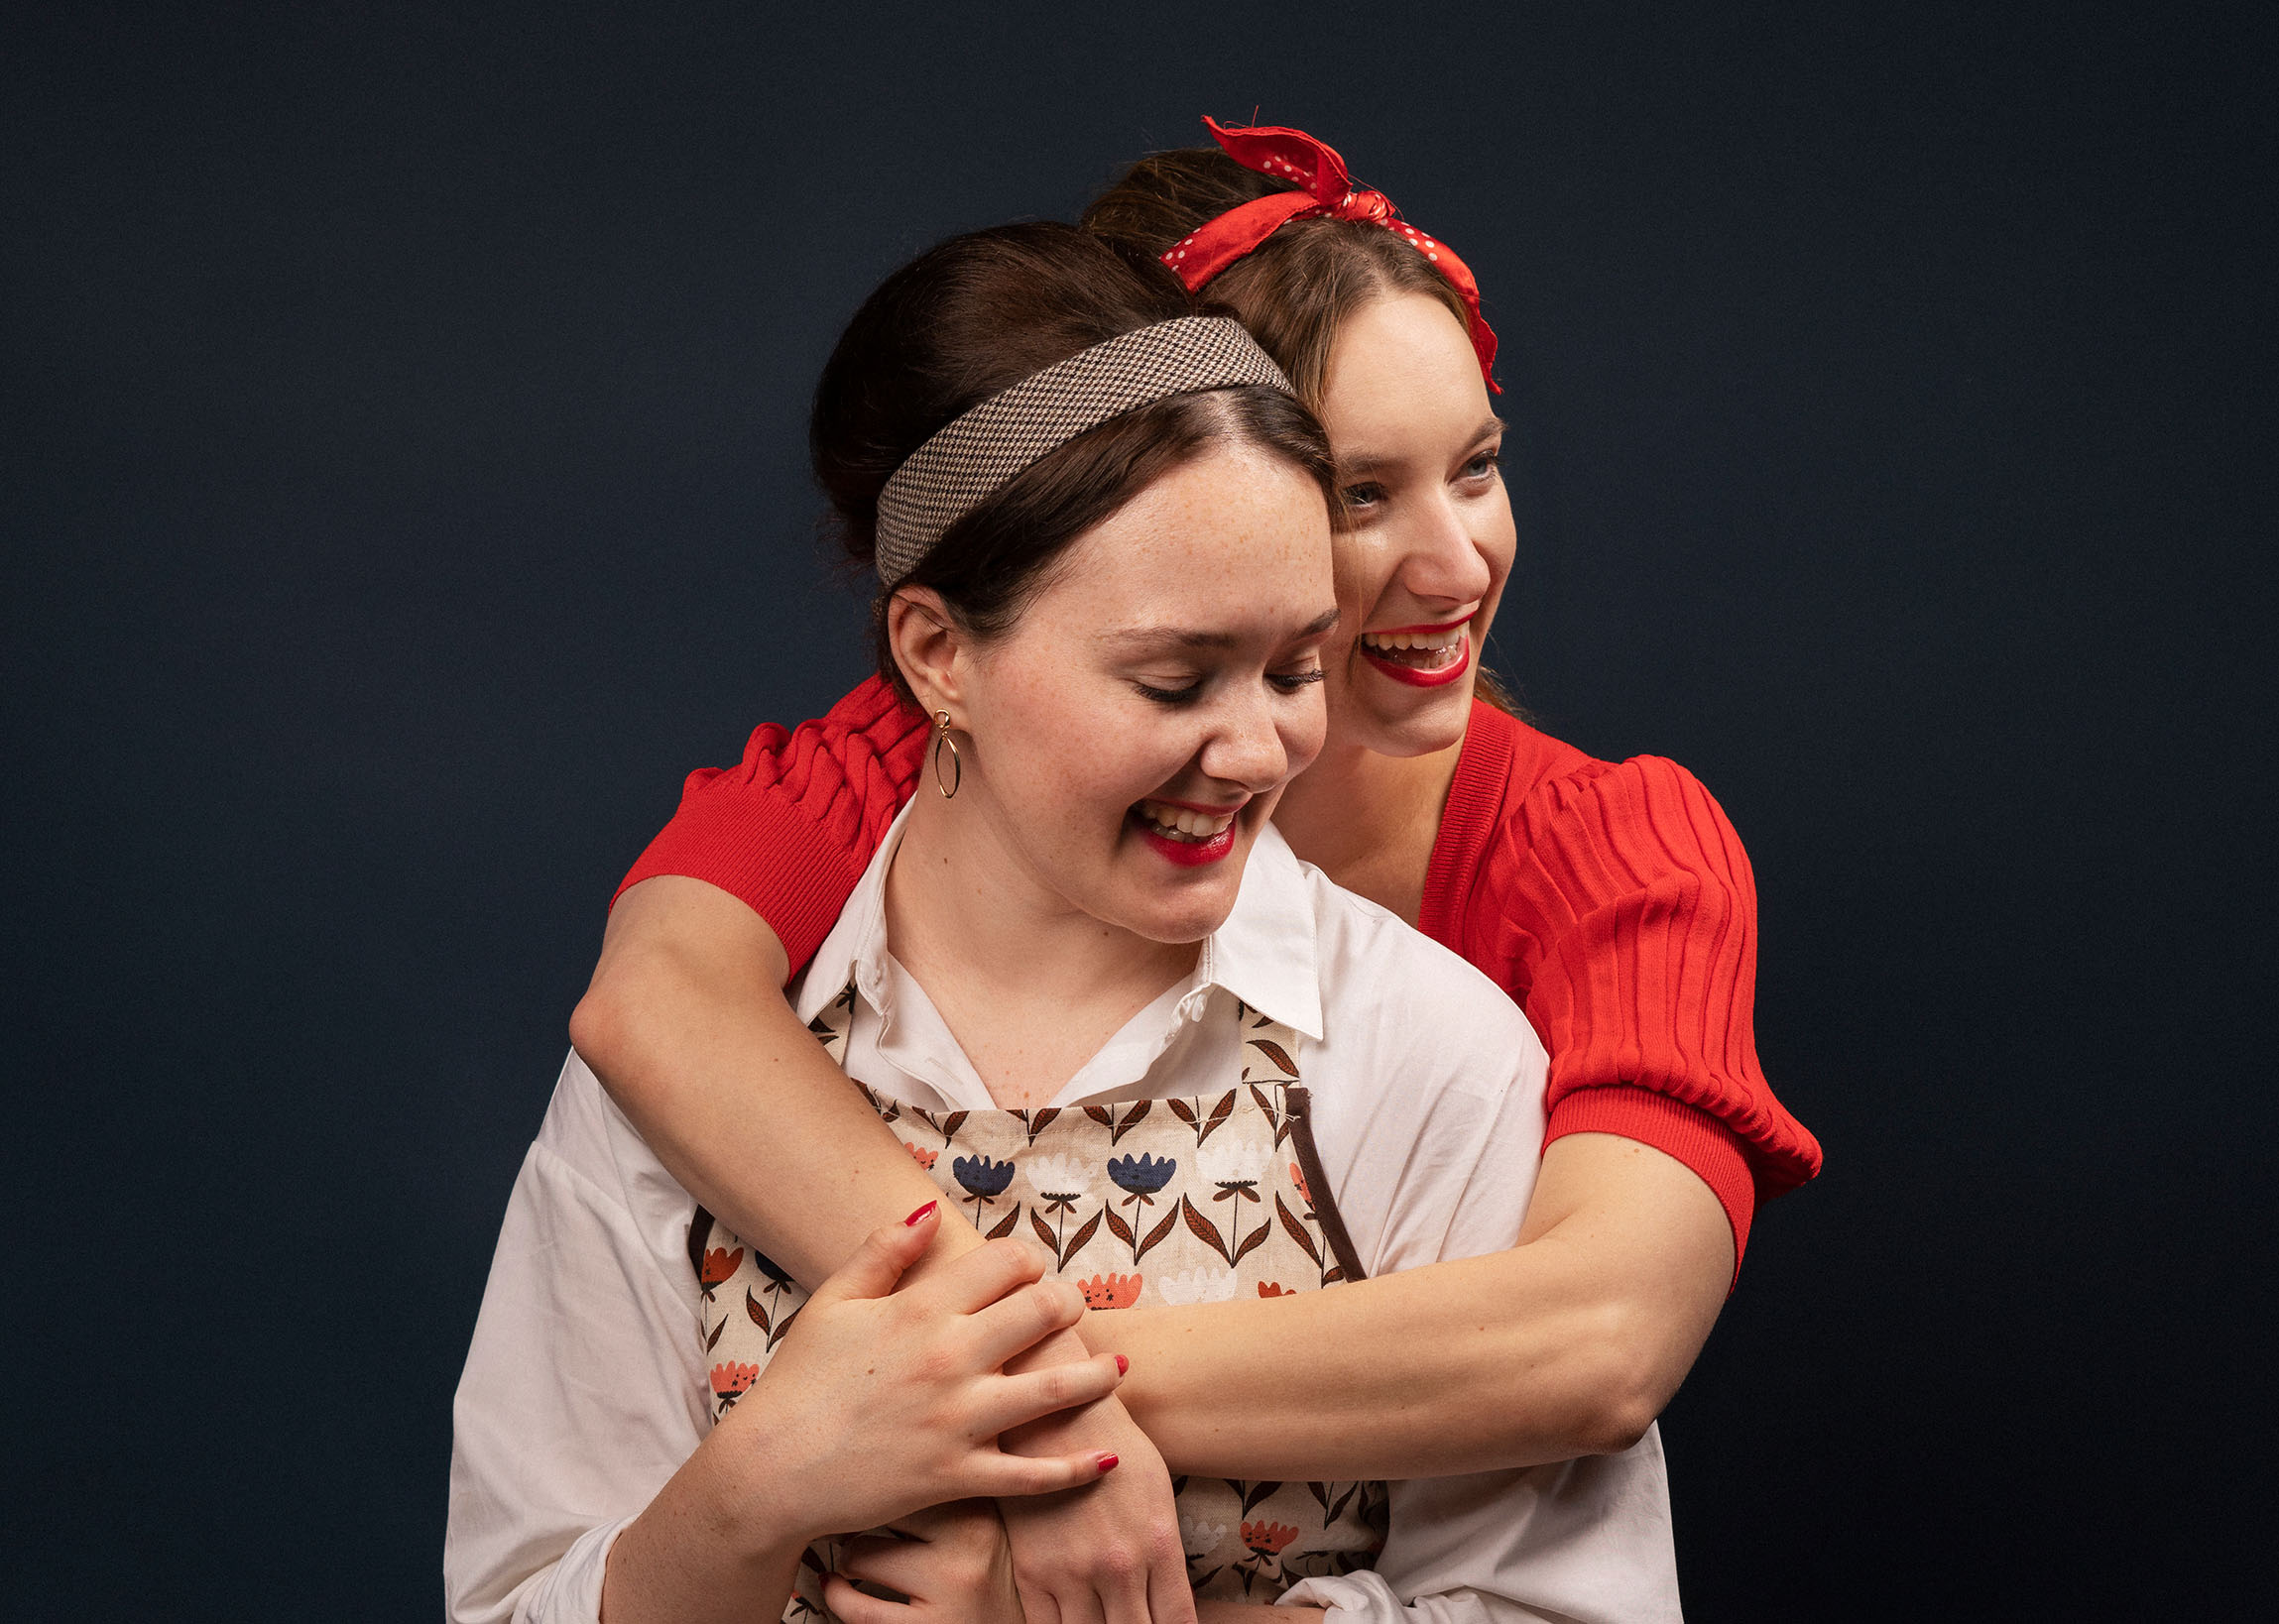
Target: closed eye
<point>1289,682</point>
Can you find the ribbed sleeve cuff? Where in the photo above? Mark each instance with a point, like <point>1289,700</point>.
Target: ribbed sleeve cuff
<point>768,854</point>
<point>1675,1128</point>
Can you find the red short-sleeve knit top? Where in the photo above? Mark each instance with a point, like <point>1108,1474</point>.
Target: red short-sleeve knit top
<point>1613,901</point>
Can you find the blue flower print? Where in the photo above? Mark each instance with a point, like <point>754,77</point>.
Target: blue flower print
<point>983,1179</point>
<point>1139,1177</point>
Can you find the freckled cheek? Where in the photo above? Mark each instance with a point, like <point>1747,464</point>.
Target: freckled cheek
<point>1076,770</point>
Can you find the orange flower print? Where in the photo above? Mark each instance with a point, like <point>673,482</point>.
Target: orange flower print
<point>924,1158</point>
<point>1110,1291</point>
<point>1268,1538</point>
<point>1267,1288</point>
<point>731,1381</point>
<point>719,1264</point>
<point>1298,1178</point>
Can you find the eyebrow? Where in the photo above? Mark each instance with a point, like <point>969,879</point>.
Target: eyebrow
<point>1175,639</point>
<point>1368,464</point>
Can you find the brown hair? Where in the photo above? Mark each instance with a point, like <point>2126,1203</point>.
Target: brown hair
<point>1291,290</point>
<point>1294,289</point>
<point>968,319</point>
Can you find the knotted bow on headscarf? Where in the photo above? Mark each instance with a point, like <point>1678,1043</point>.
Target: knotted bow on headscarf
<point>1325,192</point>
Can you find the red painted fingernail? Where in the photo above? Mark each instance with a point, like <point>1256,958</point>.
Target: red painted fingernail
<point>919,1213</point>
<point>1123,1364</point>
<point>1107,1462</point>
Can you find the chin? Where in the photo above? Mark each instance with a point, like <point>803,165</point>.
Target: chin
<point>1420,724</point>
<point>1379,710</point>
<point>1185,920</point>
<point>1181,908</point>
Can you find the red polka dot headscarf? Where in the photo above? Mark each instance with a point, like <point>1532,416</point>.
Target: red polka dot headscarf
<point>1323,191</point>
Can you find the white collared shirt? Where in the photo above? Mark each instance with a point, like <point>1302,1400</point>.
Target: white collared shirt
<point>585,1389</point>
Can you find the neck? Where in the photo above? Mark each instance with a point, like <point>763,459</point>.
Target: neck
<point>1368,821</point>
<point>997,949</point>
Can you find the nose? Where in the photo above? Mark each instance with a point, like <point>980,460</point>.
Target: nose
<point>1245,745</point>
<point>1443,559</point>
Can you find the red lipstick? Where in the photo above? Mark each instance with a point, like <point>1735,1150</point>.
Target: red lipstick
<point>1188,854</point>
<point>1421,679</point>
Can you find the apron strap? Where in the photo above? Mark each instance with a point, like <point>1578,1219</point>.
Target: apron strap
<point>1270,1058</point>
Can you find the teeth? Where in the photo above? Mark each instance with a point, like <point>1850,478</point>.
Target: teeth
<point>1182,824</point>
<point>1385,642</point>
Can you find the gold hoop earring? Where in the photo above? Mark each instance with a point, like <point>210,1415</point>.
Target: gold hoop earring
<point>957,762</point>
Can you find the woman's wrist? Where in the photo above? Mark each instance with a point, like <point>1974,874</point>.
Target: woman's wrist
<point>705,1547</point>
<point>757,1491</point>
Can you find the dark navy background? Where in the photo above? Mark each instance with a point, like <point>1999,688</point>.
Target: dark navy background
<point>403,484</point>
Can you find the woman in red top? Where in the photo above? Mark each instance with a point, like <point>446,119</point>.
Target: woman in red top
<point>1613,901</point>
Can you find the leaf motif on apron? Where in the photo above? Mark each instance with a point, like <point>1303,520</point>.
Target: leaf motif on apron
<point>1204,1200</point>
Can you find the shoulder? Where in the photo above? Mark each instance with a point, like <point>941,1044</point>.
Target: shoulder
<point>1503,753</point>
<point>1428,1089</point>
<point>869,735</point>
<point>1611,827</point>
<point>789,828</point>
<point>1504,764</point>
<point>1538,835</point>
<point>1396,1004</point>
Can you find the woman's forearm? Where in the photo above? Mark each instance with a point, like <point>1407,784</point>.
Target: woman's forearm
<point>1567,1344</point>
<point>703,1550</point>
<point>1407,1376</point>
<point>686,1025</point>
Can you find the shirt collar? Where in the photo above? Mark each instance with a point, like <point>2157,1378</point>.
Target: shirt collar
<point>1263,953</point>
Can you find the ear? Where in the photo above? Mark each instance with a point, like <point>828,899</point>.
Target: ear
<point>929,647</point>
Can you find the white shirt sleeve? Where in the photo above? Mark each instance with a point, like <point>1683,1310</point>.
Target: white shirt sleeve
<point>1367,1596</point>
<point>1442,1166</point>
<point>1581,1540</point>
<point>584,1389</point>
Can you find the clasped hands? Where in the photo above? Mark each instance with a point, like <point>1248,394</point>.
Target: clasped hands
<point>885,1407</point>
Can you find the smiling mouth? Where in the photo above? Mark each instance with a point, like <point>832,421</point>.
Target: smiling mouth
<point>1182,836</point>
<point>1181,824</point>
<point>1428,651</point>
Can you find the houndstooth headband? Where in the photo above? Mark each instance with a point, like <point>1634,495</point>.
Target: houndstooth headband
<point>966,463</point>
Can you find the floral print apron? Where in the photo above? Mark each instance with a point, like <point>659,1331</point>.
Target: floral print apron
<point>1139,1202</point>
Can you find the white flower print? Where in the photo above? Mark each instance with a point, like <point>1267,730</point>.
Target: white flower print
<point>1059,1181</point>
<point>1235,1164</point>
<point>1198,1286</point>
<point>1199,1538</point>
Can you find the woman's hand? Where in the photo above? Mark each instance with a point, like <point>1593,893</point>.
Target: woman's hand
<point>880,1403</point>
<point>953,1564</point>
<point>1110,1555</point>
